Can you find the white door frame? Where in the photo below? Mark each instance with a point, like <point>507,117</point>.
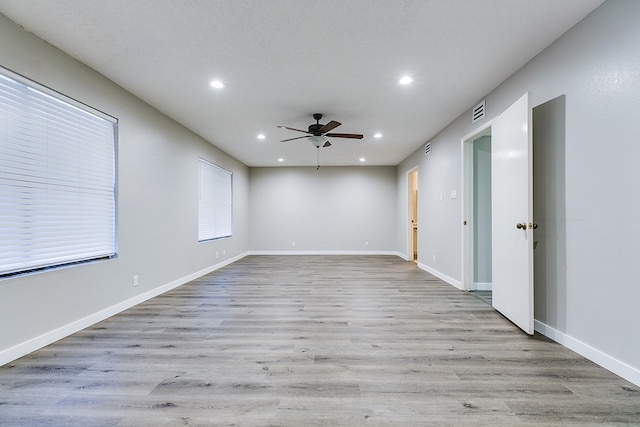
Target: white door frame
<point>410,214</point>
<point>467,203</point>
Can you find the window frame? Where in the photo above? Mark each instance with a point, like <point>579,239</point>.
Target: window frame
<point>208,230</point>
<point>58,105</point>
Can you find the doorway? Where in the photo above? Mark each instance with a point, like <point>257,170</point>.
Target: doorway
<point>481,220</point>
<point>540,233</point>
<point>477,213</point>
<point>412,210</point>
<point>511,214</point>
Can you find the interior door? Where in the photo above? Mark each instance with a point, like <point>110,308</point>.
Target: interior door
<point>512,212</point>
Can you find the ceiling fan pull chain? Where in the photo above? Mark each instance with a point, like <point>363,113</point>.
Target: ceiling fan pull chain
<point>318,158</point>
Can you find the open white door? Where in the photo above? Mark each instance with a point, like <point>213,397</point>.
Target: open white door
<point>512,213</point>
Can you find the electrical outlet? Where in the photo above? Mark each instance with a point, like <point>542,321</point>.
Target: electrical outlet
<point>293,244</point>
<point>366,243</point>
<point>434,257</point>
<point>135,280</point>
<point>216,254</point>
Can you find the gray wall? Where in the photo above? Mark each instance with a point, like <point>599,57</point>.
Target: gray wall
<point>439,234</point>
<point>549,211</point>
<point>334,209</point>
<point>157,202</point>
<point>591,303</point>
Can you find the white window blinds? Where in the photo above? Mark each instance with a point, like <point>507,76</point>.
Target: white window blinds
<point>215,202</point>
<point>57,179</point>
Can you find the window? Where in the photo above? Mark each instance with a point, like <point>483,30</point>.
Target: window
<point>215,202</point>
<point>57,179</point>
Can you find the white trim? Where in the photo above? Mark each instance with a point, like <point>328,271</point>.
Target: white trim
<point>394,253</point>
<point>479,286</point>
<point>618,367</point>
<point>50,337</point>
<point>441,276</point>
<point>215,201</point>
<point>466,225</point>
<point>403,256</point>
<point>476,133</point>
<point>409,204</point>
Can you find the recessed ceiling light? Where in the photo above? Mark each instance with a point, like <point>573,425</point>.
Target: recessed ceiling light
<point>362,159</point>
<point>405,80</point>
<point>261,136</point>
<point>281,159</point>
<point>377,135</point>
<point>217,84</point>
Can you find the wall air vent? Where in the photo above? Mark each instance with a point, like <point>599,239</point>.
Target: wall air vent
<point>427,148</point>
<point>478,112</point>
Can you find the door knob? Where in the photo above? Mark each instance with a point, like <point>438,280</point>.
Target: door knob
<point>521,226</point>
<point>533,225</point>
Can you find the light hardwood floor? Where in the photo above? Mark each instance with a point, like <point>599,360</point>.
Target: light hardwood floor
<point>311,341</point>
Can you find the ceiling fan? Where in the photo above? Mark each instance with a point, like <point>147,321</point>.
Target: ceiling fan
<point>318,133</point>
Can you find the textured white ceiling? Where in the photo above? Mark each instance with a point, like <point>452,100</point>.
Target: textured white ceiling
<point>283,60</point>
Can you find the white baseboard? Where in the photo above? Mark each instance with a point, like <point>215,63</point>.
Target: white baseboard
<point>394,253</point>
<point>441,276</point>
<point>403,256</point>
<point>50,337</point>
<point>479,286</point>
<point>622,369</point>
<point>619,368</point>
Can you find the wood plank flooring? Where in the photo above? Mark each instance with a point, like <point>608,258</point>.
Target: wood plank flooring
<point>311,341</point>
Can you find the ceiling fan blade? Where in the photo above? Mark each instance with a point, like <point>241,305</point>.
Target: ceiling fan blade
<point>327,144</point>
<point>329,126</point>
<point>297,130</point>
<point>344,135</point>
<point>292,139</point>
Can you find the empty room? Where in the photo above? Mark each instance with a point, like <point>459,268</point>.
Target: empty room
<point>329,213</point>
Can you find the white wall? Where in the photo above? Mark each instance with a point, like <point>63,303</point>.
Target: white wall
<point>596,66</point>
<point>334,209</point>
<point>157,208</point>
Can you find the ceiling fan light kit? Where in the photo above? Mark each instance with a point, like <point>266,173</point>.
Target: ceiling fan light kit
<point>318,141</point>
<point>317,133</point>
